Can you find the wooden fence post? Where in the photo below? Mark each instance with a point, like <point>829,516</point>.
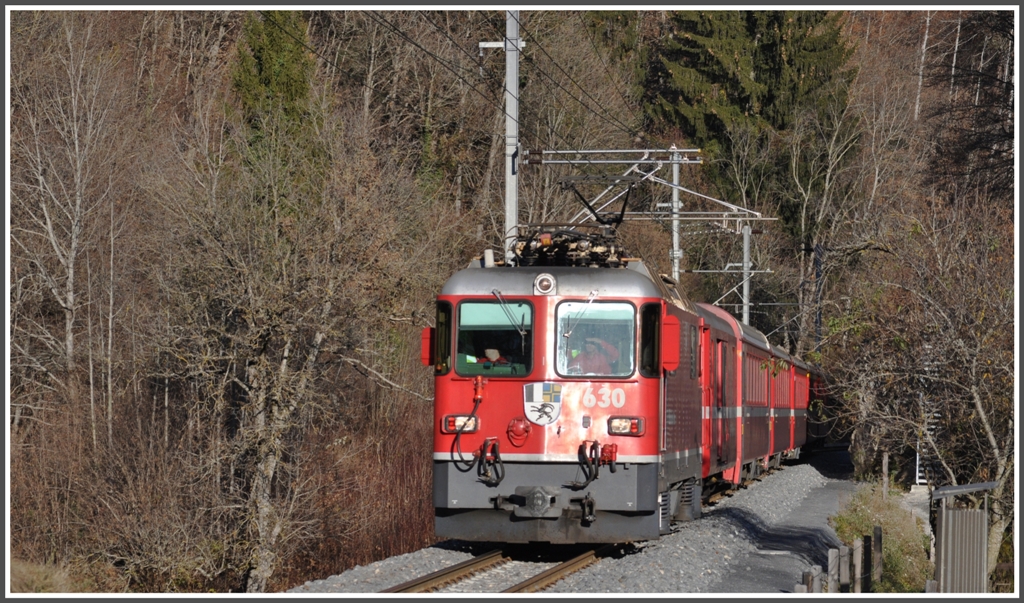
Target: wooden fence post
<point>833,570</point>
<point>876,554</point>
<point>858,565</point>
<point>885,476</point>
<point>844,569</point>
<point>816,579</point>
<point>868,568</point>
<point>931,586</point>
<point>800,588</point>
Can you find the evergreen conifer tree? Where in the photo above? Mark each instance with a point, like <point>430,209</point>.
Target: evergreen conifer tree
<point>271,81</point>
<point>717,68</point>
<point>274,67</point>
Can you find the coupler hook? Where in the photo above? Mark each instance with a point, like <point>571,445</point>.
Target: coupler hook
<point>588,504</point>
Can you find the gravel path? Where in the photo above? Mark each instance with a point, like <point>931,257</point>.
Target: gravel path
<point>759,540</point>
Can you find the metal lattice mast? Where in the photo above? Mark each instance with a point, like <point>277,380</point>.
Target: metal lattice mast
<point>746,274</point>
<point>645,163</point>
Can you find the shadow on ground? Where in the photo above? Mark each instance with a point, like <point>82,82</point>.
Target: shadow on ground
<point>833,462</point>
<point>811,545</point>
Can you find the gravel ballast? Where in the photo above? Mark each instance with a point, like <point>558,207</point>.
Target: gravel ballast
<point>759,540</point>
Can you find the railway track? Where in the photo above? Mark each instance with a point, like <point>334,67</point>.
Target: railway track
<point>487,561</point>
<point>549,577</point>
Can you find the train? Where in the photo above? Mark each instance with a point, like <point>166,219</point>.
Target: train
<point>579,397</point>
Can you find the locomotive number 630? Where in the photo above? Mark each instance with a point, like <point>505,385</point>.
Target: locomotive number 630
<point>606,396</point>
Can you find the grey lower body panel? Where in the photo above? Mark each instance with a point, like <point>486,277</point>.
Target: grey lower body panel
<point>681,465</point>
<point>502,526</point>
<point>545,502</point>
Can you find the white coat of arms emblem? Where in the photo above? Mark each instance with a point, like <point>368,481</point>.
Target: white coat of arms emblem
<point>542,402</point>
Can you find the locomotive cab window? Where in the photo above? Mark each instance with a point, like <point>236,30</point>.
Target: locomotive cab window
<point>494,338</point>
<point>443,339</point>
<point>596,338</point>
<point>650,321</point>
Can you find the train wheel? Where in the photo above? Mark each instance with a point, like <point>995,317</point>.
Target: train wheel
<point>689,501</point>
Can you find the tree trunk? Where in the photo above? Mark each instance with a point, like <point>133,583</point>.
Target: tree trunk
<point>110,335</point>
<point>956,48</point>
<point>273,417</point>
<point>920,72</point>
<point>268,524</point>
<point>981,68</point>
<point>996,529</point>
<point>92,382</point>
<point>370,69</point>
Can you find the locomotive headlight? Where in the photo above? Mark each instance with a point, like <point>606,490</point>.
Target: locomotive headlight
<point>544,284</point>
<point>628,426</point>
<point>454,423</point>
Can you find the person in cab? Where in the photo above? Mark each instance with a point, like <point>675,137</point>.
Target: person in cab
<point>595,358</point>
<point>493,357</point>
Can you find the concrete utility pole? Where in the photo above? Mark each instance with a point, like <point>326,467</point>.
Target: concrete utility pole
<point>677,253</point>
<point>511,131</point>
<point>512,46</point>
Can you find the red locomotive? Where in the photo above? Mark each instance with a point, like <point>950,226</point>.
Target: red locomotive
<point>581,398</point>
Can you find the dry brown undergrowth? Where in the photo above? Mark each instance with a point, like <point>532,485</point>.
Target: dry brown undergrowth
<point>35,578</point>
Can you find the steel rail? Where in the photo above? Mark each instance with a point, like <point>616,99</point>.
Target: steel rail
<point>549,577</point>
<point>448,575</point>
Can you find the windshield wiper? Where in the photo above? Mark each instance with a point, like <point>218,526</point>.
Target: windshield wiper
<point>590,298</point>
<point>521,327</point>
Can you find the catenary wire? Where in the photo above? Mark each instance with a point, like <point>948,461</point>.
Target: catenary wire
<point>607,68</point>
<point>361,83</point>
<point>610,119</point>
<point>381,20</point>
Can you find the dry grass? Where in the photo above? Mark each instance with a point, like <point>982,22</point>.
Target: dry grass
<point>35,578</point>
<point>905,563</point>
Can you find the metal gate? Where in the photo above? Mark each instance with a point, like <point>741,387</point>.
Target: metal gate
<point>961,542</point>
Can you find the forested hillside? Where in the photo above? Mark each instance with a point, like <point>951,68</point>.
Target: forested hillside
<point>226,230</point>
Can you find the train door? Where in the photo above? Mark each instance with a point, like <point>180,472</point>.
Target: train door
<point>720,362</point>
<point>709,428</point>
<point>800,386</point>
<point>732,433</point>
<point>716,426</point>
<point>772,448</point>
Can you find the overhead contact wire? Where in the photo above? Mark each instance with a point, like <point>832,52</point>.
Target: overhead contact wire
<point>610,119</point>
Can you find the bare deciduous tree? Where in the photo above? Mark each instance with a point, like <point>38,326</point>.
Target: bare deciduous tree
<point>927,355</point>
<point>65,144</point>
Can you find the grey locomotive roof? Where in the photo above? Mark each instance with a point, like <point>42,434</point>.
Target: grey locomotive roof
<point>569,281</point>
